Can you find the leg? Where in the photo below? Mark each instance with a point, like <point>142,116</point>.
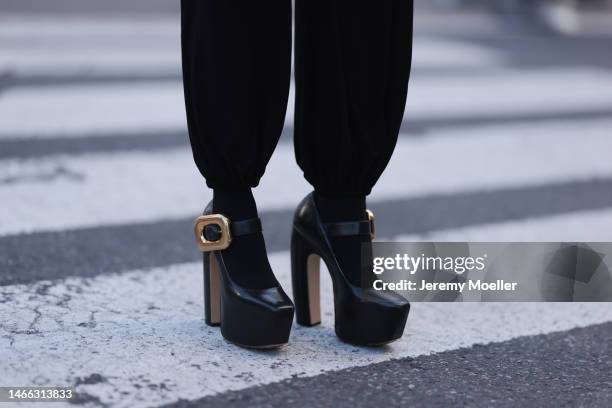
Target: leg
<point>236,71</point>
<point>352,64</point>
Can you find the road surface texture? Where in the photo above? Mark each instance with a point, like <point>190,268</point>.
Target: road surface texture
<point>506,137</point>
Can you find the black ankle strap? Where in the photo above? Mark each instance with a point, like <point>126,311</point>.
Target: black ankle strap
<point>245,227</point>
<point>212,232</point>
<point>349,228</point>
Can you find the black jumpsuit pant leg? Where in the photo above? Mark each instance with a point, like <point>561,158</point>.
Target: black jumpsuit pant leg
<point>236,76</point>
<point>352,64</point>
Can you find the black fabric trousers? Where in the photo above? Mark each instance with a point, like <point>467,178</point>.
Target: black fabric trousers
<point>352,64</point>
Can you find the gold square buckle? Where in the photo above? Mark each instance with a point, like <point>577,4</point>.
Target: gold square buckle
<point>372,226</point>
<point>213,219</point>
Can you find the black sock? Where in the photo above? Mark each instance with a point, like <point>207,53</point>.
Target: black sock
<point>347,249</point>
<point>246,257</point>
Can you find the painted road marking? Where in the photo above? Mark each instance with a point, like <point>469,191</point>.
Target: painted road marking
<point>72,110</point>
<point>110,189</point>
<point>431,53</point>
<point>58,61</point>
<point>102,109</point>
<point>135,328</point>
<point>583,226</point>
<point>508,93</point>
<point>51,45</point>
<point>139,57</point>
<point>85,251</point>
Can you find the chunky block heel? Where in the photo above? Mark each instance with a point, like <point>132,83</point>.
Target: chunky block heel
<point>363,316</point>
<point>305,281</point>
<point>212,291</point>
<point>252,318</point>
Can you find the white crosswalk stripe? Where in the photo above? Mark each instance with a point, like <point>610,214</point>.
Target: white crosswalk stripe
<point>104,109</point>
<point>585,226</point>
<point>150,322</point>
<point>143,329</point>
<point>87,190</point>
<point>508,93</point>
<point>81,45</point>
<point>55,47</point>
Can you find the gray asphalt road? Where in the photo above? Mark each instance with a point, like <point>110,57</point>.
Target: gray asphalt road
<point>90,6</point>
<point>125,350</point>
<point>101,250</point>
<point>566,369</point>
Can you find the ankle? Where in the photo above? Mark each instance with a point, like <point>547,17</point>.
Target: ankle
<point>246,258</point>
<point>337,209</point>
<point>236,205</point>
<point>347,249</point>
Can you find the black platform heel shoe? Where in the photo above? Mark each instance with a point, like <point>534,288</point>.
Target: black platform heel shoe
<point>253,318</point>
<point>364,316</point>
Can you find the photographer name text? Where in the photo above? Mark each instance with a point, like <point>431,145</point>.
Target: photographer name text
<point>477,285</point>
<point>457,265</point>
